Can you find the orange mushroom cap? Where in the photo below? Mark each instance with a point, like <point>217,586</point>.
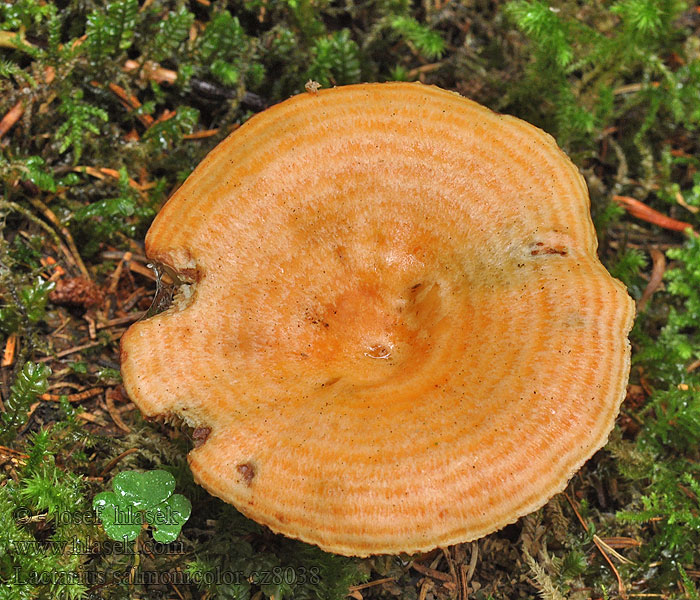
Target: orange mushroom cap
<point>393,322</point>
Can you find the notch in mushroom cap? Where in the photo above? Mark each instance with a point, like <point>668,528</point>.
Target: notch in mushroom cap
<point>396,328</point>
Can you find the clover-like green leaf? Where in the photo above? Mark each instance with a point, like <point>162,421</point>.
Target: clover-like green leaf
<point>143,490</point>
<point>140,498</point>
<point>168,517</point>
<point>119,521</point>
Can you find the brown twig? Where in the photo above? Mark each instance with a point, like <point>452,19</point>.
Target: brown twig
<point>75,349</point>
<point>657,276</point>
<point>439,575</point>
<point>172,585</point>
<point>64,384</point>
<point>114,280</point>
<point>645,213</point>
<point>133,298</point>
<point>121,320</point>
<point>130,101</point>
<point>621,542</point>
<point>13,452</point>
<point>8,356</point>
<point>152,71</point>
<point>119,254</point>
<point>50,264</point>
<point>90,418</point>
<point>166,115</point>
<point>427,585</point>
<point>101,172</point>
<point>45,226</point>
<point>112,463</point>
<point>620,584</point>
<point>79,397</point>
<point>363,586</point>
<point>198,135</point>
<point>11,118</point>
<point>141,270</point>
<point>632,88</point>
<point>473,560</point>
<point>113,412</point>
<point>681,200</point>
<point>92,330</point>
<point>463,585</point>
<point>49,214</point>
<point>599,542</point>
<point>424,69</point>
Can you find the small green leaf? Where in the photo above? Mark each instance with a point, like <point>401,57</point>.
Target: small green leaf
<point>120,521</point>
<point>111,208</point>
<point>38,174</point>
<point>101,500</point>
<point>34,299</point>
<point>167,518</point>
<point>143,490</point>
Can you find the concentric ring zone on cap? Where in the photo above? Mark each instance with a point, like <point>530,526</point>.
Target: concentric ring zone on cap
<point>394,324</point>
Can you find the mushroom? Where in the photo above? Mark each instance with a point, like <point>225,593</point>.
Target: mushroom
<point>392,331</point>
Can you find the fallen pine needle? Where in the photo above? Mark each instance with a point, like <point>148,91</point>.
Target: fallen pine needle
<point>657,275</point>
<point>111,409</point>
<point>11,118</point>
<point>112,337</point>
<point>152,71</point>
<point>111,464</point>
<point>645,213</point>
<point>101,172</point>
<point>141,270</point>
<point>684,204</point>
<point>165,116</point>
<point>8,356</point>
<point>45,226</point>
<point>198,135</point>
<point>621,542</point>
<point>369,584</point>
<point>79,397</point>
<point>49,214</point>
<point>122,320</point>
<point>612,551</point>
<point>131,101</point>
<point>596,541</point>
<point>432,573</point>
<point>13,452</point>
<point>91,419</point>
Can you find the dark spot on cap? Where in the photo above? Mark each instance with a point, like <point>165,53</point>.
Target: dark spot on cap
<point>330,382</point>
<point>247,471</point>
<point>542,249</point>
<point>200,435</point>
